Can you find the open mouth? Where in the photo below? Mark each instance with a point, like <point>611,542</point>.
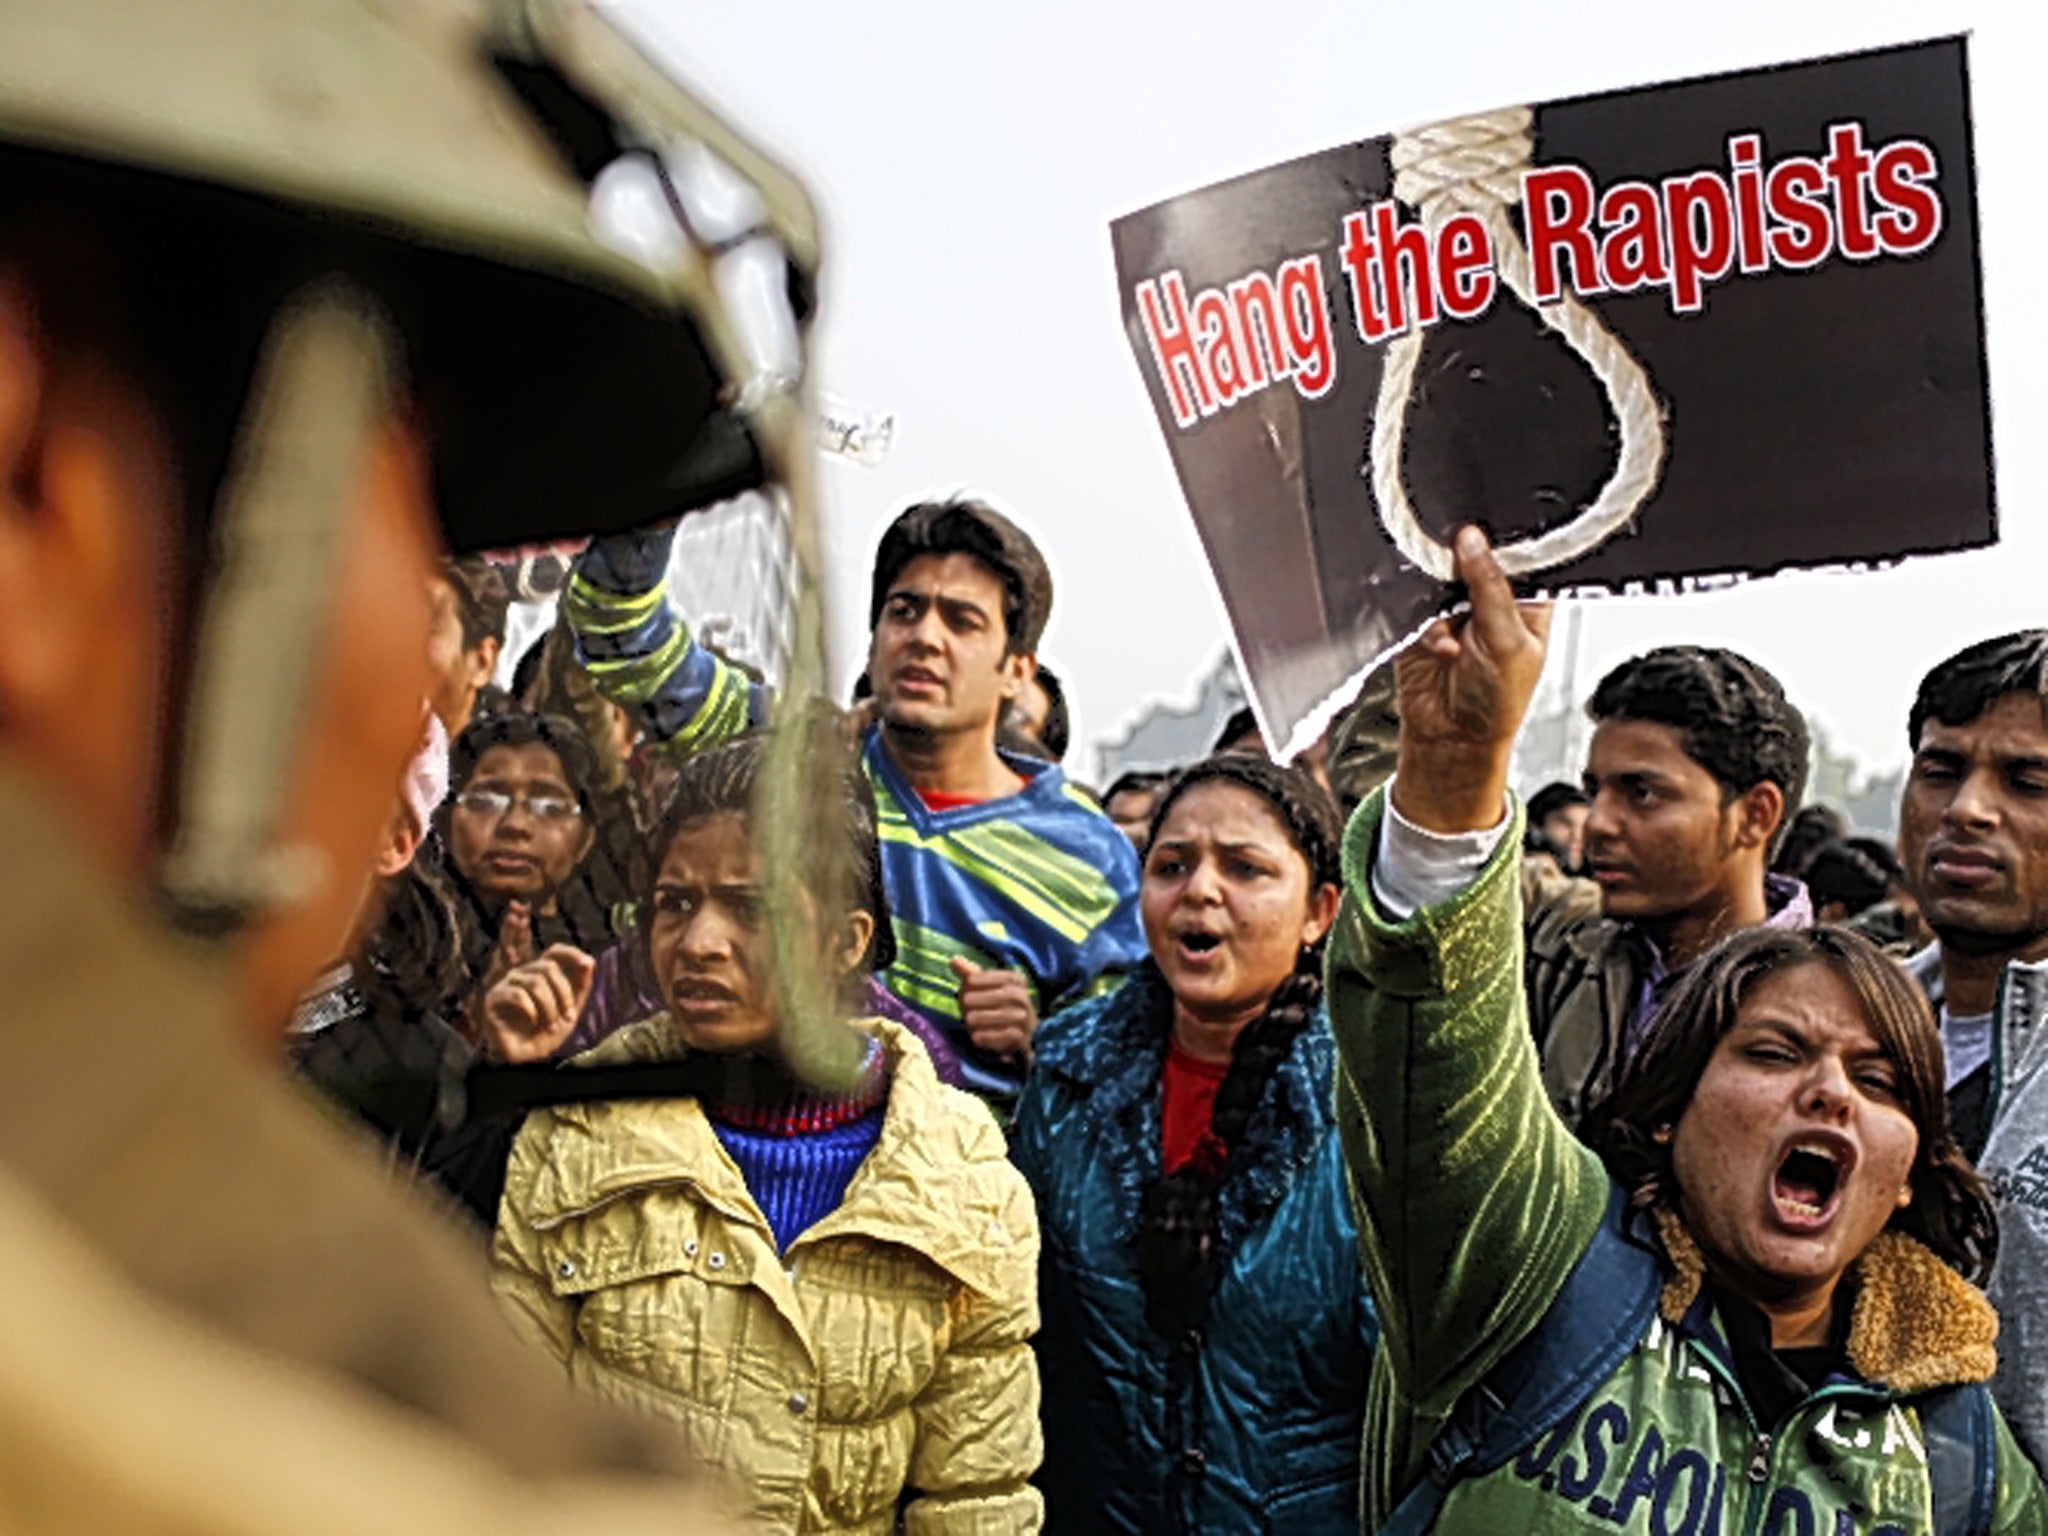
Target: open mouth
<point>695,995</point>
<point>1196,945</point>
<point>1808,1183</point>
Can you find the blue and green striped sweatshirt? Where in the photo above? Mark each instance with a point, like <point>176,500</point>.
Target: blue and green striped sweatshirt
<point>1039,882</point>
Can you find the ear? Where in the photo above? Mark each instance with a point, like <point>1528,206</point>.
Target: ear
<point>400,842</point>
<point>855,933</point>
<point>1759,810</point>
<point>1016,668</point>
<point>88,498</point>
<point>30,653</point>
<point>483,660</point>
<point>1322,911</point>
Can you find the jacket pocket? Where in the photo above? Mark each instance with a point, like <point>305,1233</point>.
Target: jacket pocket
<point>638,1236</point>
<point>662,1295</point>
<point>1327,1502</point>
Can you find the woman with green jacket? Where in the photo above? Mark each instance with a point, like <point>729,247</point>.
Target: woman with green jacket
<point>1778,1165</point>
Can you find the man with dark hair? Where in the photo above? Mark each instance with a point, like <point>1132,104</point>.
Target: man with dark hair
<point>1973,837</point>
<point>1695,762</point>
<point>1039,715</point>
<point>1010,891</point>
<point>469,601</point>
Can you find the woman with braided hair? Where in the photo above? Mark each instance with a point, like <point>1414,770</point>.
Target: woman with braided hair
<point>1207,1334</point>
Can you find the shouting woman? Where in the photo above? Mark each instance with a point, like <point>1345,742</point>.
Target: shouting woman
<point>1752,1309</point>
<point>1207,1334</point>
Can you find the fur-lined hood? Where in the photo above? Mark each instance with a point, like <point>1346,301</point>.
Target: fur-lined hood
<point>1917,1324</point>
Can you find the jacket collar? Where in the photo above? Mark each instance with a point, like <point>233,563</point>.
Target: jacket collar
<point>1917,1324</point>
<point>1787,904</point>
<point>909,1191</point>
<point>1044,784</point>
<point>1116,1057</point>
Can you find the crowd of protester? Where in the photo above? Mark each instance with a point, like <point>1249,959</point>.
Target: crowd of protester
<point>1686,1053</point>
<point>1251,1147</point>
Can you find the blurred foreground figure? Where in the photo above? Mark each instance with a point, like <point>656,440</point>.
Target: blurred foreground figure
<point>282,288</point>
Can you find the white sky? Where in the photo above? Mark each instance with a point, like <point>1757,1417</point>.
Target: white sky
<point>967,160</point>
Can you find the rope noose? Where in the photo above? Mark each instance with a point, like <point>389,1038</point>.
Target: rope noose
<point>1474,165</point>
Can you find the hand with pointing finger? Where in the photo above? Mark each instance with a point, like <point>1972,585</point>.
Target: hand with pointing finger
<point>533,1008</point>
<point>997,1009</point>
<point>1463,687</point>
<point>528,1005</point>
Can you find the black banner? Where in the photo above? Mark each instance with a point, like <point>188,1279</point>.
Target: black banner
<point>1658,339</point>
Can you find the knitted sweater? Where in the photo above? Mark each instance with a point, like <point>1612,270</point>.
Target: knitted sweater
<point>799,1150</point>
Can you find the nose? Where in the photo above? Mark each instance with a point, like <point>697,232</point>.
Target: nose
<point>1827,1093</point>
<point>517,820</point>
<point>1204,884</point>
<point>927,629</point>
<point>1601,823</point>
<point>707,939</point>
<point>1974,805</point>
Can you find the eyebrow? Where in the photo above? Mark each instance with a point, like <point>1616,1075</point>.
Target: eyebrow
<point>943,599</point>
<point>1625,778</point>
<point>1222,847</point>
<point>542,786</point>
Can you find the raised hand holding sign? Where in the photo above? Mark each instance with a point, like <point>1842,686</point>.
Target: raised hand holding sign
<point>1463,688</point>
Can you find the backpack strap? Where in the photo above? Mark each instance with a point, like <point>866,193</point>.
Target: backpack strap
<point>1603,1311</point>
<point>1961,1434</point>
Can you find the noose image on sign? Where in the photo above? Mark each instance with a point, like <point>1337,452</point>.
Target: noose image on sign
<point>1474,165</point>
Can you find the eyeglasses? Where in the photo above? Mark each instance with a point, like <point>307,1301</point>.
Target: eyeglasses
<point>493,803</point>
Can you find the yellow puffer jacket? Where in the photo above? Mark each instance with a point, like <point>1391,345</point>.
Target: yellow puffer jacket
<point>885,1351</point>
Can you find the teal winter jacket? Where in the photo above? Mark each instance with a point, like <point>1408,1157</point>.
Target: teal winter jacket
<point>1251,1422</point>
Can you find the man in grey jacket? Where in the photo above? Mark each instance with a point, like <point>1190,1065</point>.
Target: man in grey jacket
<point>1973,834</point>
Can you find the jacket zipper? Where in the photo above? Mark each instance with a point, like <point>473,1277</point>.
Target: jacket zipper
<point>1764,1442</point>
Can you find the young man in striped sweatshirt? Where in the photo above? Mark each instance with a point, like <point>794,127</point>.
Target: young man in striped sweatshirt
<point>1011,893</point>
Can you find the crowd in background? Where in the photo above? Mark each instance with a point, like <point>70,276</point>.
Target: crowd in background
<point>1161,1307</point>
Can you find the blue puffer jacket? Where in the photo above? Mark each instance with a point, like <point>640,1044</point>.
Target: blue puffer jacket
<point>1252,1422</point>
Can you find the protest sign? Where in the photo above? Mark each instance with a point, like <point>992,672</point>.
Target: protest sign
<point>1653,340</point>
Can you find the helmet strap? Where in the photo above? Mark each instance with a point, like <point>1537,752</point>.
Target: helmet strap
<point>322,386</point>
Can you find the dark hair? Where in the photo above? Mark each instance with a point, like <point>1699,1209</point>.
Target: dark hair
<point>1856,872</point>
<point>526,673</point>
<point>1951,1212</point>
<point>1241,721</point>
<point>1057,732</point>
<point>1176,1245</point>
<point>1731,715</point>
<point>481,598</point>
<point>1134,781</point>
<point>522,728</point>
<point>1810,829</point>
<point>1975,678</point>
<point>1551,799</point>
<point>721,780</point>
<point>413,960</point>
<point>964,527</point>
